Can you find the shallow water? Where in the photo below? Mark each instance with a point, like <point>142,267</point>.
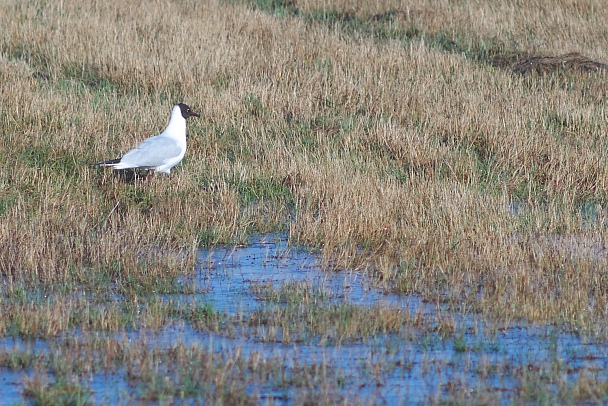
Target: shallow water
<point>226,274</point>
<point>11,386</point>
<point>392,369</point>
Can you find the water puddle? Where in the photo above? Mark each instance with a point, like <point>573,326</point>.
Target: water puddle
<point>227,274</point>
<point>423,365</point>
<point>11,386</point>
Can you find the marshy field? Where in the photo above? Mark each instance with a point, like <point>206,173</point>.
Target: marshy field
<point>388,202</point>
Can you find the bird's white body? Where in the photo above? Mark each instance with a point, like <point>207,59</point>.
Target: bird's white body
<point>161,152</point>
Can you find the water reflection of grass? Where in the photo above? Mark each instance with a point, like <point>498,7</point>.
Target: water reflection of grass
<point>405,141</point>
<point>306,339</point>
<point>241,373</point>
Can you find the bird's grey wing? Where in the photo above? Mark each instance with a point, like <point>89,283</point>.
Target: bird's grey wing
<point>153,152</point>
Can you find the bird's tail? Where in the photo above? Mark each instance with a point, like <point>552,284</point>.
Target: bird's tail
<point>111,162</point>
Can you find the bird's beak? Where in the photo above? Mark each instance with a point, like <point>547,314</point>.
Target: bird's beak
<point>195,114</point>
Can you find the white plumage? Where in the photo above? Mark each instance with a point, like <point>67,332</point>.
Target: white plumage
<point>161,152</point>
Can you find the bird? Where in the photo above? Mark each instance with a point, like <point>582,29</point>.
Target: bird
<point>161,152</point>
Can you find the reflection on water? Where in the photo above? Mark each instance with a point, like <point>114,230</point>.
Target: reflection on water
<point>226,274</point>
<point>421,367</point>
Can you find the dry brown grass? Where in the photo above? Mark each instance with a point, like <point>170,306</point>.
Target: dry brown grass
<point>439,175</point>
<point>573,61</point>
<point>545,27</point>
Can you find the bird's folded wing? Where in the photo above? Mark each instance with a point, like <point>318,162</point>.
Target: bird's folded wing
<point>154,151</point>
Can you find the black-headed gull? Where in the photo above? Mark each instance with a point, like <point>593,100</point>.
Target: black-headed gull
<point>161,152</point>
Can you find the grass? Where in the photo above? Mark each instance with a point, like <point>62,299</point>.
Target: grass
<point>298,311</point>
<point>403,140</point>
<point>43,393</point>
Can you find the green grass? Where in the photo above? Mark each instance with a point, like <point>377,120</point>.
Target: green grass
<point>59,393</point>
<point>397,140</point>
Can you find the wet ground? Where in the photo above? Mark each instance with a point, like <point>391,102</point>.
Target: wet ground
<point>420,367</point>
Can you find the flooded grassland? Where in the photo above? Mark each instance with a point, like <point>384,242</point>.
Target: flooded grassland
<point>268,323</point>
<point>426,183</point>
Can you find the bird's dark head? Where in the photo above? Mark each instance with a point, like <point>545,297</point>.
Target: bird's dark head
<point>186,112</point>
